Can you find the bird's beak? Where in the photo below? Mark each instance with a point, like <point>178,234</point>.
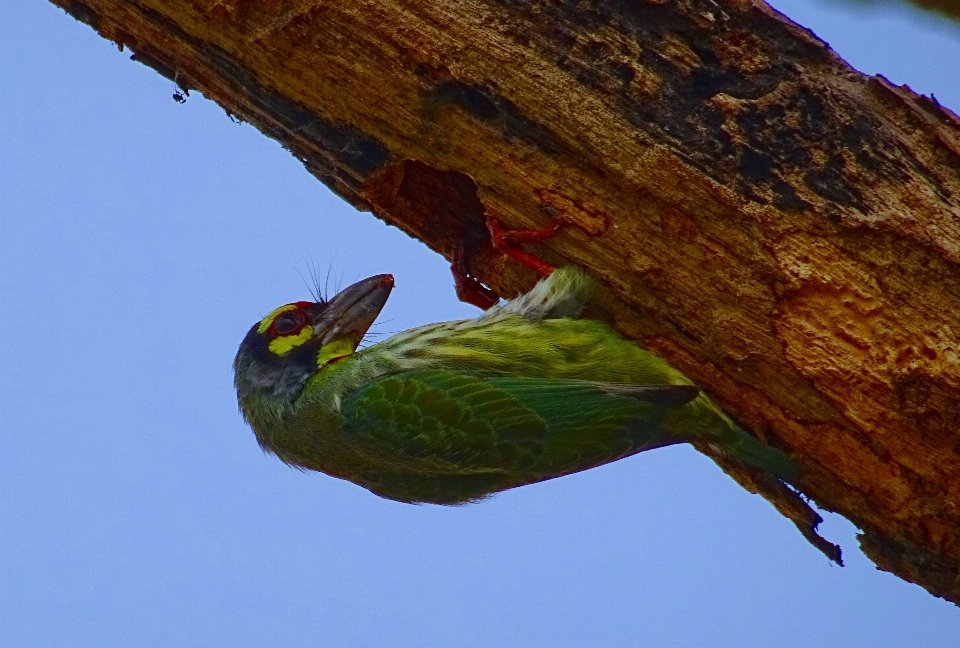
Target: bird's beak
<point>347,316</point>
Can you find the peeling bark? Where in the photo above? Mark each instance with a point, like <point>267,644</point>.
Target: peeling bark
<point>780,227</point>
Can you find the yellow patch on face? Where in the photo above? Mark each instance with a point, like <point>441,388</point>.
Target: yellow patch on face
<point>333,350</point>
<point>287,343</point>
<point>268,320</point>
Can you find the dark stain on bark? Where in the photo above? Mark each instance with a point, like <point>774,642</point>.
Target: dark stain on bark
<point>770,159</point>
<point>83,13</point>
<point>906,559</point>
<point>828,181</point>
<point>495,110</point>
<point>349,147</point>
<point>347,153</point>
<point>338,154</point>
<point>154,64</point>
<point>760,168</point>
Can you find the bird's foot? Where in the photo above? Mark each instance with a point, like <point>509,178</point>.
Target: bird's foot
<point>469,289</point>
<point>509,242</point>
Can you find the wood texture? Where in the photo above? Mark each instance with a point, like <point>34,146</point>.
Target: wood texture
<point>782,228</point>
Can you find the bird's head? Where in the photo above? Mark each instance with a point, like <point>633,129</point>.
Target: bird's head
<point>291,344</point>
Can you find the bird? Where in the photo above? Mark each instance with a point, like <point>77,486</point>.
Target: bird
<point>453,412</point>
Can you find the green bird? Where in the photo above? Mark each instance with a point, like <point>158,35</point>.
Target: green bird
<point>452,412</point>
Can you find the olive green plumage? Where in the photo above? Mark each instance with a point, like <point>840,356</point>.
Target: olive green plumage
<point>452,412</point>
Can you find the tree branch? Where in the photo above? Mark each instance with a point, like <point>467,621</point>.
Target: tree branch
<point>782,228</point>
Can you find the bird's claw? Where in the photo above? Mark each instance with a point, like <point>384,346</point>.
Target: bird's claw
<point>509,241</point>
<point>469,289</point>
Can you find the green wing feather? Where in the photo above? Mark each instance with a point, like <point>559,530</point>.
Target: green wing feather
<point>526,427</point>
<point>441,417</point>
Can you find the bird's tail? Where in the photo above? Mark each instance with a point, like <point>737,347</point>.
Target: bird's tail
<point>705,422</point>
<point>749,450</point>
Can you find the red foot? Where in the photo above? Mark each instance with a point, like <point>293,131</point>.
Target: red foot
<point>509,241</point>
<point>469,289</point>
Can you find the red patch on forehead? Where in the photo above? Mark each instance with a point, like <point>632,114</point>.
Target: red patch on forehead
<point>303,305</point>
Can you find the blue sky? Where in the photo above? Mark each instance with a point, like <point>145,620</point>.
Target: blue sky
<point>139,240</point>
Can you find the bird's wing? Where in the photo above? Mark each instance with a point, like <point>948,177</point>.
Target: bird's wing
<point>464,422</point>
<point>660,395</point>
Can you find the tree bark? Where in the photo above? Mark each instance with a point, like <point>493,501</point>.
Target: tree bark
<point>780,227</point>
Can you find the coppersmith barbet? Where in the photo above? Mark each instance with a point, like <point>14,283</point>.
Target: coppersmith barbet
<point>452,412</point>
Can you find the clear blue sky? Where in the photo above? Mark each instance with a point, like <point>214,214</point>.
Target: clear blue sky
<point>140,239</point>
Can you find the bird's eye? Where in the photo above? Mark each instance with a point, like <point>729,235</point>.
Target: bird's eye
<point>288,322</point>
